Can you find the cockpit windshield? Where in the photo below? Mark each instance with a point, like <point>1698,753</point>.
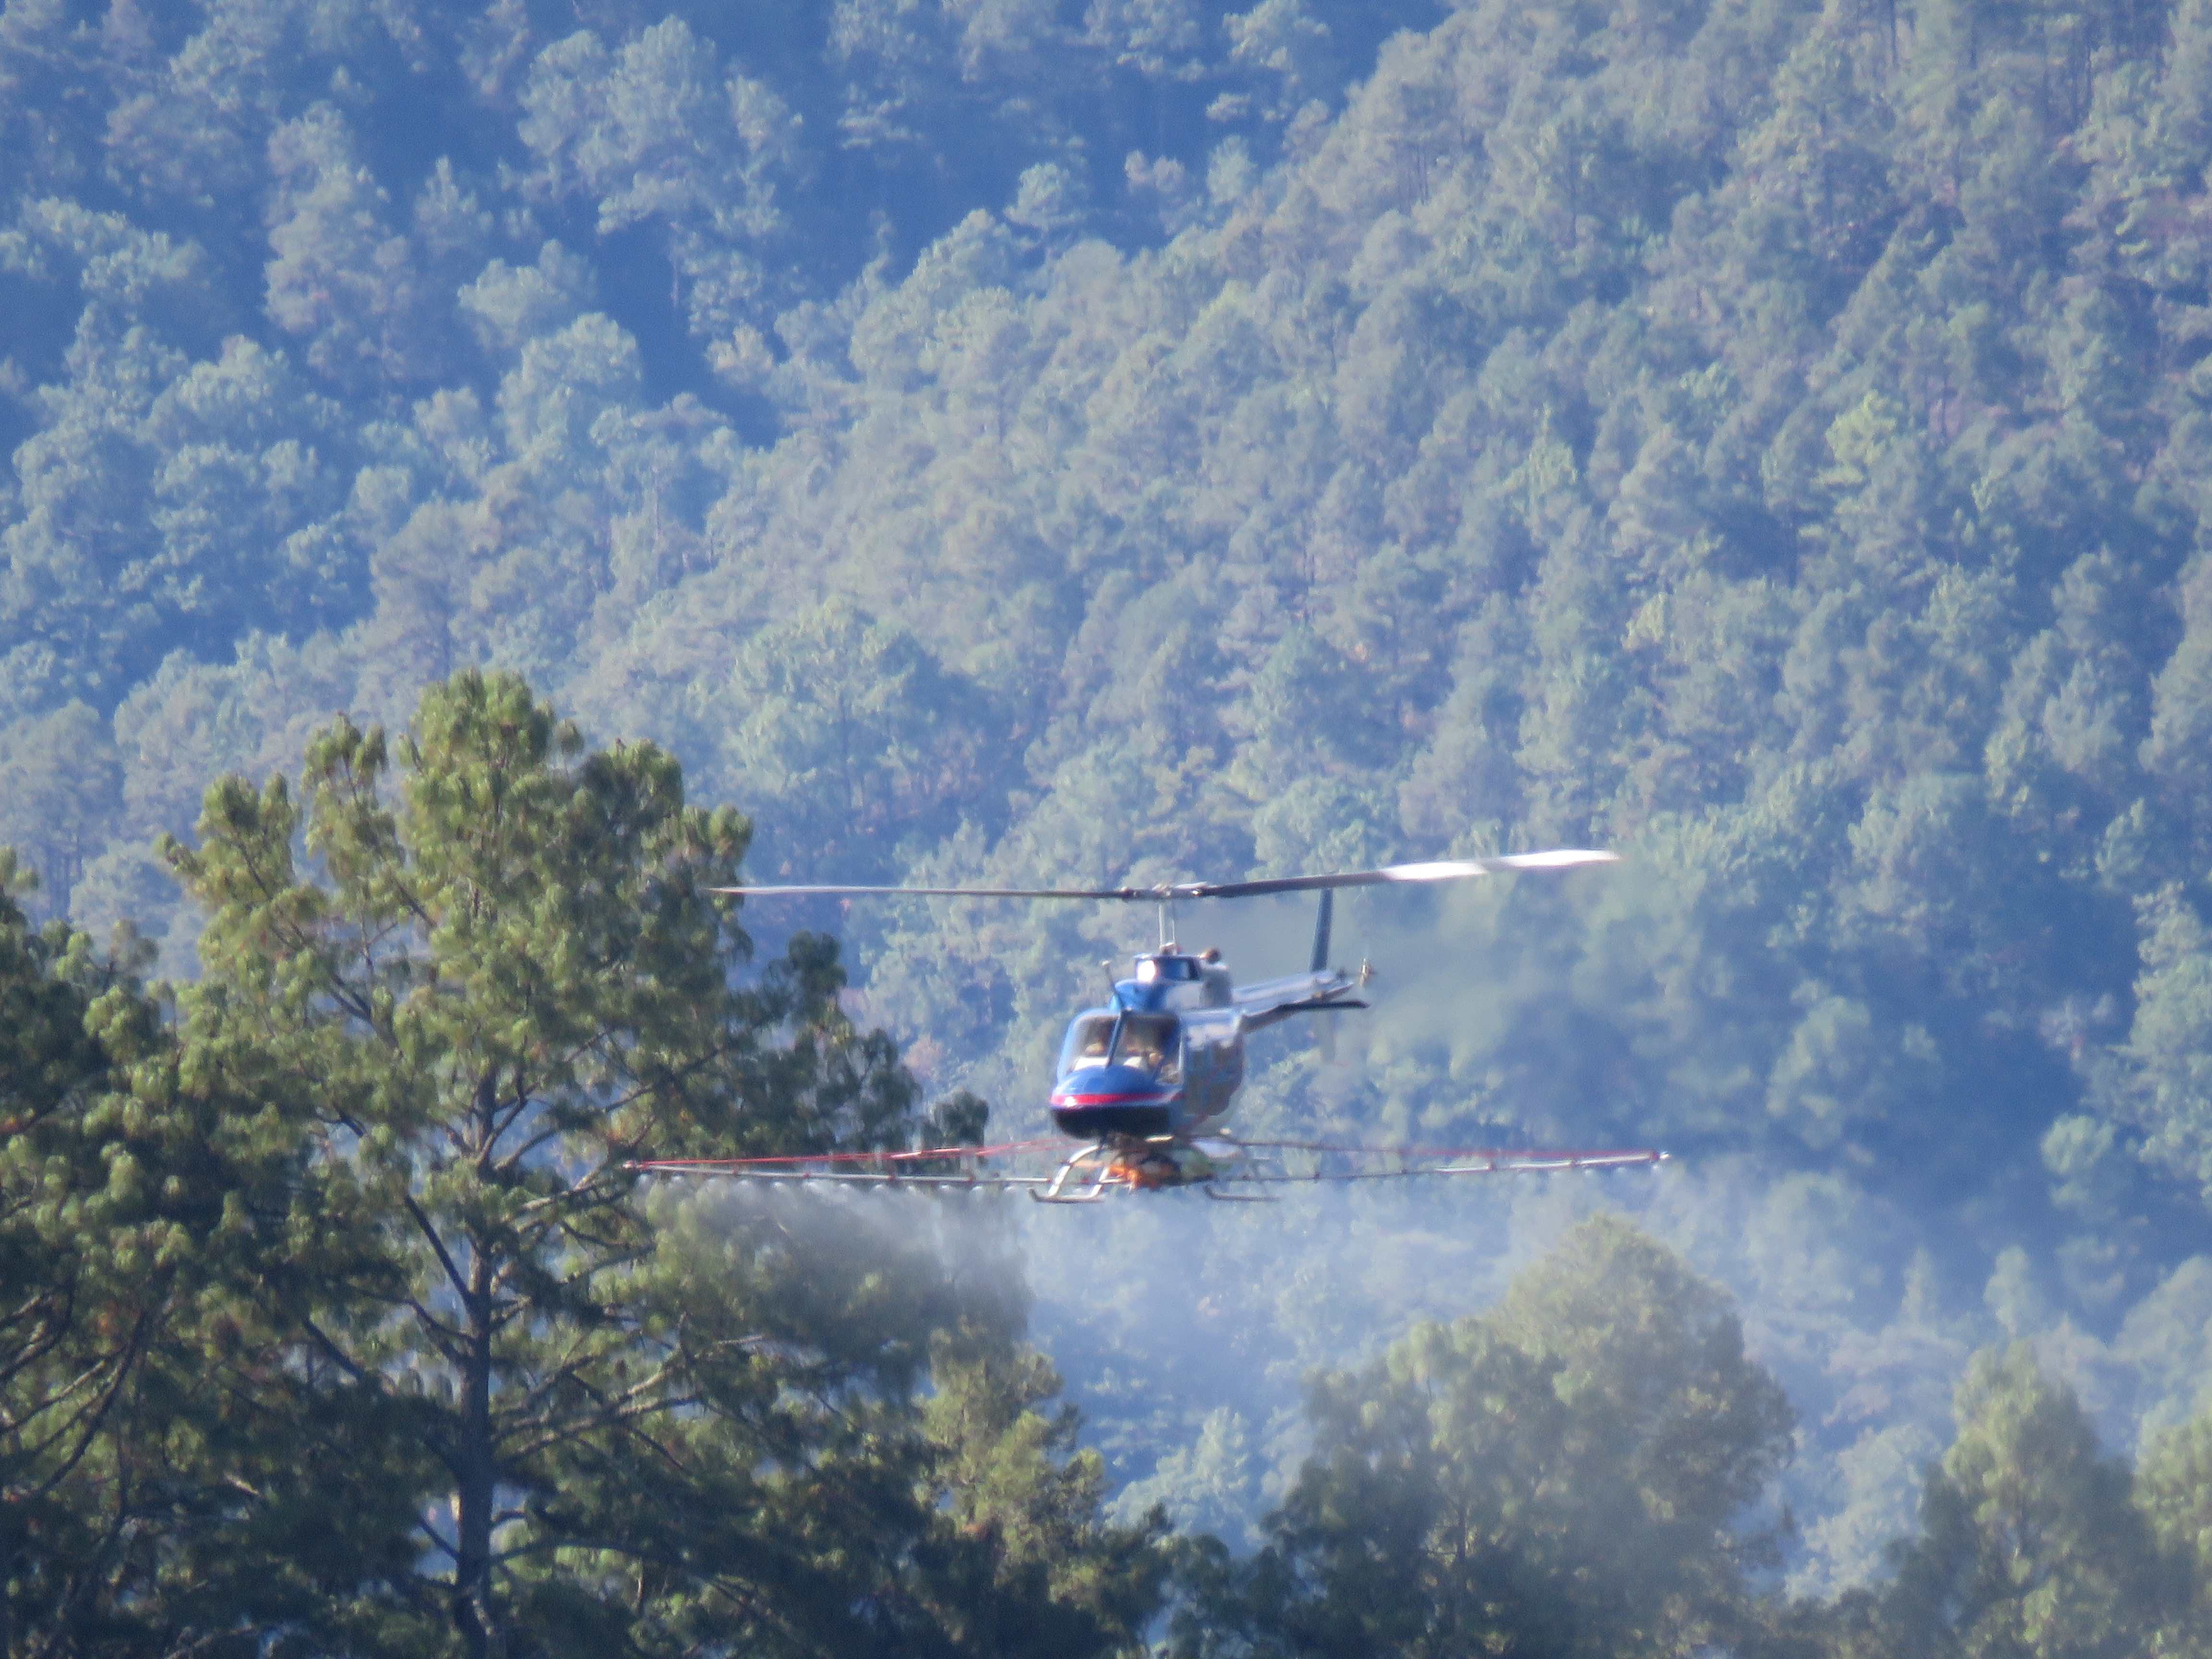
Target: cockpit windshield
<point>1089,1040</point>
<point>1149,1044</point>
<point>1146,1042</point>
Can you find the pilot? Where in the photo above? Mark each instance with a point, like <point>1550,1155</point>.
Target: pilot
<point>1143,1050</point>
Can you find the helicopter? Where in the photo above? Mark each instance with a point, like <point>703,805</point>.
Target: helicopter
<point>1145,1080</point>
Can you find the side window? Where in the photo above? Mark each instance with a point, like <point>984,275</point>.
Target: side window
<point>1088,1041</point>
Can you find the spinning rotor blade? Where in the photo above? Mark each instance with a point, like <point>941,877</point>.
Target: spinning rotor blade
<point>1145,893</point>
<point>1166,892</point>
<point>1443,870</point>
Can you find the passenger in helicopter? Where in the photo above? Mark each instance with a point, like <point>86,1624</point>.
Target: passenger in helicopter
<point>1149,1044</point>
<point>1093,1038</point>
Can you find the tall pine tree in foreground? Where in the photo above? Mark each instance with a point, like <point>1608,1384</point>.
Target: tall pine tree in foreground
<point>169,1475</point>
<point>452,1381</point>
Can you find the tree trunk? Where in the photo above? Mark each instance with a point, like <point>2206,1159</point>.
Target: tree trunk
<point>7,1573</point>
<point>472,1608</point>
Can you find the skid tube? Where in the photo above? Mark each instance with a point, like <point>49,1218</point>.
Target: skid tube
<point>1090,1190</point>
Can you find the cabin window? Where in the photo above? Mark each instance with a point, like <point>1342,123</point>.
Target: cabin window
<point>1151,1043</point>
<point>1089,1040</point>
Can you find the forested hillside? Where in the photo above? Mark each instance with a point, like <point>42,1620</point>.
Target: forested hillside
<point>1040,440</point>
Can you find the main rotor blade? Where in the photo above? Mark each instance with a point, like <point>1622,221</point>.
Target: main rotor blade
<point>1444,870</point>
<point>1146,894</point>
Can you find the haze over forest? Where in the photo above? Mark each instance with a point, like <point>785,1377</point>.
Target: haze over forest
<point>1028,441</point>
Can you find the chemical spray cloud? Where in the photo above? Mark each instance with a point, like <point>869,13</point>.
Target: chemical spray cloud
<point>861,1280</point>
<point>1192,1351</point>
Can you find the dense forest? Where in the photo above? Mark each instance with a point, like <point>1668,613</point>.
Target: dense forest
<point>1041,439</point>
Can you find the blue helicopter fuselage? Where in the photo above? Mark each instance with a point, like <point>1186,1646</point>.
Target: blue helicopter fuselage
<point>1166,1057</point>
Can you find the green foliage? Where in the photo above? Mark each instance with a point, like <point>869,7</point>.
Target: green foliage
<point>342,1320</point>
<point>849,736</point>
<point>147,1401</point>
<point>2173,1488</point>
<point>1566,1475</point>
<point>512,986</point>
<point>50,1069</point>
<point>1155,437</point>
<point>2029,1543</point>
<point>2168,1084</point>
<point>1011,1480</point>
<point>59,780</point>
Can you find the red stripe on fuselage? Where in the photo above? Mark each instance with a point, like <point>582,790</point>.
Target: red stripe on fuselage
<point>1156,1097</point>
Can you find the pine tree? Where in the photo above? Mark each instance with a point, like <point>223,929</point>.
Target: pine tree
<point>508,985</point>
<point>1566,1475</point>
<point>577,1414</point>
<point>2029,1544</point>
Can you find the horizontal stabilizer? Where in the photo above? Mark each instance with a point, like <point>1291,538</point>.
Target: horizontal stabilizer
<point>1271,999</point>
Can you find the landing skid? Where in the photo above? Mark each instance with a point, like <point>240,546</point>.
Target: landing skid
<point>1082,1178</point>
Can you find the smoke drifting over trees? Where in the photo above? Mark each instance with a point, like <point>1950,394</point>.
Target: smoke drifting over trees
<point>1148,439</point>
